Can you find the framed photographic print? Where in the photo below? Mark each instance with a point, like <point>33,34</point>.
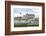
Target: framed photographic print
<point>24,17</point>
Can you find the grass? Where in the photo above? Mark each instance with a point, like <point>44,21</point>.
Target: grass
<point>24,25</point>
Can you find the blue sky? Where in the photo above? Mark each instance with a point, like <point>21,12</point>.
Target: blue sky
<point>26,10</point>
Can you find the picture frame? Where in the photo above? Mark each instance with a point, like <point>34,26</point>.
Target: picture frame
<point>9,19</point>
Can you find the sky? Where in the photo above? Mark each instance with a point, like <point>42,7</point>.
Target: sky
<point>23,10</point>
